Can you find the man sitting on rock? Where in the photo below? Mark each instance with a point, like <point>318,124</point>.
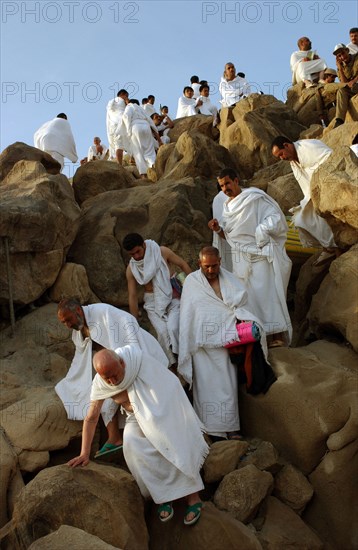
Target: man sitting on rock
<point>96,327</point>
<point>163,443</point>
<point>55,137</point>
<point>254,226</point>
<point>213,299</point>
<point>97,151</point>
<point>347,65</point>
<point>305,157</point>
<point>232,87</point>
<point>150,267</point>
<point>306,66</point>
<point>207,108</point>
<point>187,105</point>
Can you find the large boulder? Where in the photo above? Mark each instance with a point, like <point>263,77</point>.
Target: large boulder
<point>258,120</point>
<point>72,282</point>
<point>199,123</point>
<point>334,189</point>
<point>172,213</point>
<point>223,458</point>
<point>94,178</point>
<point>308,413</point>
<point>101,500</point>
<point>21,151</point>
<point>11,479</point>
<point>285,529</point>
<point>39,218</point>
<point>334,307</point>
<point>216,529</point>
<point>195,155</point>
<point>32,362</point>
<point>70,537</point>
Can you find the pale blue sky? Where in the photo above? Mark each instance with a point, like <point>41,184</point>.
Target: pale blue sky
<point>73,56</point>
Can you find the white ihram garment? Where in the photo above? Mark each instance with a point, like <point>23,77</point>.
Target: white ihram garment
<point>207,322</point>
<point>233,91</point>
<point>313,230</point>
<point>115,129</point>
<point>163,443</point>
<point>187,107</point>
<point>110,328</point>
<point>256,230</point>
<point>162,309</point>
<point>139,129</point>
<point>305,70</point>
<point>221,244</point>
<point>55,137</point>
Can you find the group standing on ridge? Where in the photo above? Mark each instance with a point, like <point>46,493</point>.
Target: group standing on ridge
<point>215,325</point>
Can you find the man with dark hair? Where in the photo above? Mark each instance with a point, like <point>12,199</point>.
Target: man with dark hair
<point>353,44</point>
<point>149,106</point>
<point>187,105</point>
<point>117,140</point>
<point>150,266</point>
<point>255,227</point>
<point>207,108</point>
<point>347,66</point>
<point>195,84</point>
<point>305,157</point>
<point>96,327</point>
<point>55,138</point>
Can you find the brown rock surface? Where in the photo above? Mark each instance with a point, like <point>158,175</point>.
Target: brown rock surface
<point>293,488</point>
<point>286,192</point>
<point>334,308</point>
<point>199,123</point>
<point>174,214</point>
<point>195,155</point>
<point>242,491</point>
<point>39,216</point>
<point>72,282</point>
<point>94,178</point>
<point>216,530</point>
<point>309,411</point>
<point>70,537</point>
<point>334,192</point>
<point>264,457</point>
<point>285,529</point>
<point>21,151</point>
<point>101,500</point>
<point>11,480</point>
<point>223,458</point>
<point>258,120</point>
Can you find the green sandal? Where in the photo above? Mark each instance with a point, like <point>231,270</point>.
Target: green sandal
<point>166,507</point>
<point>196,509</point>
<point>107,449</point>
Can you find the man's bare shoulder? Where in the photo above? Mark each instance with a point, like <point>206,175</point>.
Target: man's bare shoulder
<point>166,252</point>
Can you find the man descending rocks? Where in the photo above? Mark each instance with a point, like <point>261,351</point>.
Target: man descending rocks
<point>163,443</point>
<point>254,226</point>
<point>96,327</point>
<point>305,157</point>
<point>212,301</point>
<point>150,267</point>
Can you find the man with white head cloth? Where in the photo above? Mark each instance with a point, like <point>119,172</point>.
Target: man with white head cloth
<point>55,137</point>
<point>163,442</point>
<point>150,267</point>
